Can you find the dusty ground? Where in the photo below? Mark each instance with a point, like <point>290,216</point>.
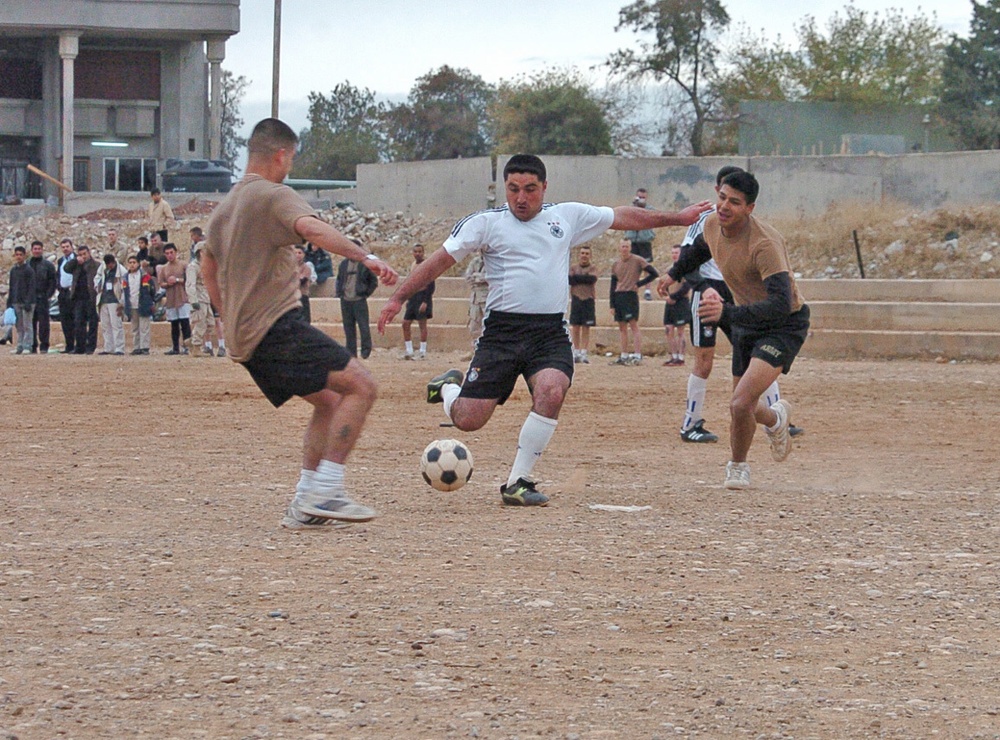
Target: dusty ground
<point>146,589</point>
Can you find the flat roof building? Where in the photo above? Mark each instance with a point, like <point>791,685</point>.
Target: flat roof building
<point>98,93</point>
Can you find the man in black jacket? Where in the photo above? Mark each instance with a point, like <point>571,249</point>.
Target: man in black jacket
<point>355,283</point>
<point>46,283</point>
<point>83,295</point>
<point>21,297</point>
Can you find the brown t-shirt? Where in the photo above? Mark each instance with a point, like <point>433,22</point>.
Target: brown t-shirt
<point>583,291</point>
<point>628,271</point>
<point>176,293</point>
<point>252,238</point>
<point>749,258</point>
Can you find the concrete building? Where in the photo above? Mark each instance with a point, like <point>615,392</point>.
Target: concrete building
<point>99,93</point>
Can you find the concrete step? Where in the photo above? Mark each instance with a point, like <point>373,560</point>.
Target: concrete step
<point>960,291</point>
<point>890,316</point>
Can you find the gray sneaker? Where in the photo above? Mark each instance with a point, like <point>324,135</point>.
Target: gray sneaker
<point>737,476</point>
<point>295,519</point>
<point>337,507</point>
<point>781,440</point>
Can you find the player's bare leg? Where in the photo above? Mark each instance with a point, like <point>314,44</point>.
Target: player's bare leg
<point>339,413</point>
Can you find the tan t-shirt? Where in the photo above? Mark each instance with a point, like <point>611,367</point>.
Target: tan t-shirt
<point>176,293</point>
<point>252,238</point>
<point>749,258</point>
<point>584,291</point>
<point>628,272</point>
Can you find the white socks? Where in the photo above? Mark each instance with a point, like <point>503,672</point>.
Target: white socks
<point>409,347</point>
<point>327,483</point>
<point>772,394</point>
<point>449,392</point>
<point>423,348</point>
<point>531,443</point>
<point>695,401</point>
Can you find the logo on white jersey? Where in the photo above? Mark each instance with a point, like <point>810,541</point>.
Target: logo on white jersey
<point>556,230</point>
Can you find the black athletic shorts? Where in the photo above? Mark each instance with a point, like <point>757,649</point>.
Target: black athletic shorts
<point>413,312</point>
<point>515,344</point>
<point>703,332</point>
<point>677,313</point>
<point>777,347</point>
<point>294,359</point>
<point>625,305</point>
<point>582,311</point>
<point>644,250</point>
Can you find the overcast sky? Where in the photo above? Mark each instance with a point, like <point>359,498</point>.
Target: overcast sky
<point>384,45</point>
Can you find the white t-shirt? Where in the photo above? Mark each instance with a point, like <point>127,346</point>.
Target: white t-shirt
<point>708,270</point>
<point>527,261</point>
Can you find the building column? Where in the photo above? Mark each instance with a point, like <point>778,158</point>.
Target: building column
<point>216,55</point>
<point>69,48</point>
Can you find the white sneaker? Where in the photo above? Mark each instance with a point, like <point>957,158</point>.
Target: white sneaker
<point>781,440</point>
<point>332,506</point>
<point>737,475</point>
<point>295,519</point>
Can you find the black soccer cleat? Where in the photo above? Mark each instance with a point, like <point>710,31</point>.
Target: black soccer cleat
<point>698,433</point>
<point>436,384</point>
<point>522,493</point>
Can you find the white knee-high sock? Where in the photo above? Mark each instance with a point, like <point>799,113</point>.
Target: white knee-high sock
<point>695,401</point>
<point>772,394</point>
<point>449,392</point>
<point>535,434</point>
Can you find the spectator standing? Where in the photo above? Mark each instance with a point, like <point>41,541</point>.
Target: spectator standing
<point>307,278</point>
<point>108,284</point>
<point>479,287</point>
<point>159,215</point>
<point>84,298</point>
<point>21,297</point>
<point>171,277</point>
<point>65,277</point>
<point>46,283</point>
<point>419,308</point>
<point>202,318</point>
<point>355,283</point>
<point>676,316</point>
<point>582,304</point>
<point>138,289</point>
<point>625,284</point>
<point>641,240</point>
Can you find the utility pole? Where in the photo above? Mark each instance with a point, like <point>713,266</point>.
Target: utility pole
<point>276,66</point>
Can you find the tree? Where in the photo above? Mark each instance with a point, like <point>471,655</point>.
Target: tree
<point>970,97</point>
<point>345,130</point>
<point>444,117</point>
<point>231,95</point>
<point>869,58</point>
<point>551,112</point>
<point>683,51</point>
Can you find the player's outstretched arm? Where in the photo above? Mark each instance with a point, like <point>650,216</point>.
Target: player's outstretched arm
<point>321,234</point>
<point>631,218</point>
<point>430,269</point>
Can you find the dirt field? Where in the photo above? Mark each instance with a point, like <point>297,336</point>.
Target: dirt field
<point>146,589</point>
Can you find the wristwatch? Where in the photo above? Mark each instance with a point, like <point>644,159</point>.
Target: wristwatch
<point>371,256</point>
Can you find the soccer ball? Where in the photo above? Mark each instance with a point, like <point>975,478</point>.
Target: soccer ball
<point>446,464</point>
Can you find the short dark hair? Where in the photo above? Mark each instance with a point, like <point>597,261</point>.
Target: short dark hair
<point>196,230</point>
<point>527,164</point>
<point>66,240</point>
<point>169,245</point>
<point>83,247</point>
<point>725,172</point>
<point>270,135</point>
<point>20,249</point>
<point>109,258</point>
<point>144,240</point>
<point>745,183</point>
<point>154,191</point>
<point>39,243</point>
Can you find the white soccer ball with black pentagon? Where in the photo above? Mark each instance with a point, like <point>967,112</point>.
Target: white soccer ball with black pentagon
<point>446,464</point>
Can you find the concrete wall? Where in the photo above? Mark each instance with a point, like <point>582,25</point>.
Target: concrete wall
<point>790,186</point>
<point>449,187</point>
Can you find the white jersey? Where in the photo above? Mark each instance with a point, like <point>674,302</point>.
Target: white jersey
<point>708,270</point>
<point>527,261</point>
